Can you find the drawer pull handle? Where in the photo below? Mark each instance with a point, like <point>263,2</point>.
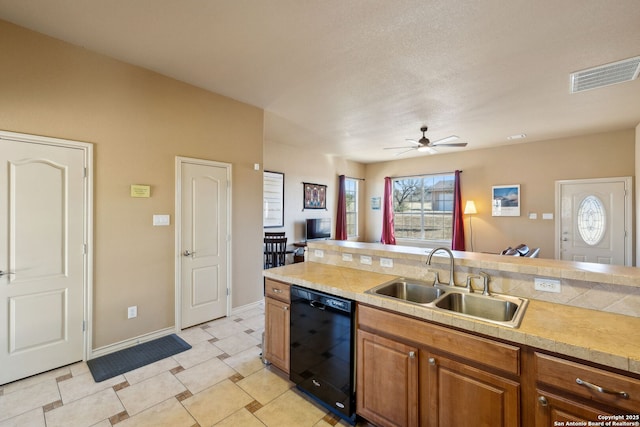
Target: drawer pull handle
<point>277,291</point>
<point>599,389</point>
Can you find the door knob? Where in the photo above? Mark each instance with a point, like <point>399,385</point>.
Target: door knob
<point>188,253</point>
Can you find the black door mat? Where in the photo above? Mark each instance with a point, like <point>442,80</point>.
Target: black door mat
<point>113,364</point>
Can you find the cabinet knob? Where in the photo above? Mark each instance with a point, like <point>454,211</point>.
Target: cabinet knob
<point>412,355</point>
<point>543,400</point>
<point>432,361</point>
<point>285,308</point>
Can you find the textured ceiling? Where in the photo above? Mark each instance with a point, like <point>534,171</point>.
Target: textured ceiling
<point>350,77</point>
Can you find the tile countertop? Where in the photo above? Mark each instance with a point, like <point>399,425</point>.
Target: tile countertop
<point>601,273</point>
<point>599,337</point>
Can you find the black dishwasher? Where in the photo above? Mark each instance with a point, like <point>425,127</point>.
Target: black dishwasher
<point>322,349</point>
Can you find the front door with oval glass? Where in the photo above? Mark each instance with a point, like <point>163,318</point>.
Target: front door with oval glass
<point>594,220</point>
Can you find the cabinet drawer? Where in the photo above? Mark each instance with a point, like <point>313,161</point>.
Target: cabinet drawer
<point>564,375</point>
<point>278,290</point>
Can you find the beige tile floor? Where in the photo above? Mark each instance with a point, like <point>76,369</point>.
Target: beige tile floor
<point>220,381</point>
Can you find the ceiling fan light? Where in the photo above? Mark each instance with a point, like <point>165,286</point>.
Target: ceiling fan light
<point>423,149</point>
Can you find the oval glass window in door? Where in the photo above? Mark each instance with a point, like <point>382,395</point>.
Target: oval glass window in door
<point>591,220</point>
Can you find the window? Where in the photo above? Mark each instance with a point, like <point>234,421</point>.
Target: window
<point>592,220</point>
<point>423,207</point>
<point>351,196</point>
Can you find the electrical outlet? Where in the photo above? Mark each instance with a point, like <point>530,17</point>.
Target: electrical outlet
<point>347,257</point>
<point>319,253</point>
<point>547,285</point>
<point>366,260</point>
<point>132,312</point>
<point>386,262</point>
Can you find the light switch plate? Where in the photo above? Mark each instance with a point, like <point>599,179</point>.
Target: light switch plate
<point>547,216</point>
<point>533,215</point>
<point>347,257</point>
<point>161,220</point>
<point>319,253</point>
<point>366,260</point>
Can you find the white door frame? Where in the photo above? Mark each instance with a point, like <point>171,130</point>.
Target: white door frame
<point>628,215</point>
<point>178,237</point>
<point>87,149</point>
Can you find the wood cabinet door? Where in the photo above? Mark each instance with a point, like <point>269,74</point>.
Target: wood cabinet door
<point>277,331</point>
<point>387,381</point>
<point>457,395</point>
<point>555,410</point>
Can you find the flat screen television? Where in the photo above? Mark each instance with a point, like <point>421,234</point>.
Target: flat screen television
<point>318,228</point>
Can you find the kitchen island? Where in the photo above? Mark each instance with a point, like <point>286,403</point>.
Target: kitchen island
<point>609,339</point>
<point>530,369</point>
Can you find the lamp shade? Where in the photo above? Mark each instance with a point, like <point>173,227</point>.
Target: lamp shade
<point>470,208</point>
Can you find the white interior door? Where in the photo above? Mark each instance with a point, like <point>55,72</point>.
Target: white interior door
<point>204,240</point>
<point>594,222</point>
<point>42,257</point>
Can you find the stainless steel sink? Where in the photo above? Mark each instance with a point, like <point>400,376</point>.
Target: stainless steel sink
<point>498,309</point>
<point>412,291</point>
<point>501,309</point>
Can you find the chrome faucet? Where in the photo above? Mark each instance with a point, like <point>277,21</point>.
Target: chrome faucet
<point>448,251</point>
<point>485,282</point>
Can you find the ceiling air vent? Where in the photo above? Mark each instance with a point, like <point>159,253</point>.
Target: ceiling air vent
<point>605,75</point>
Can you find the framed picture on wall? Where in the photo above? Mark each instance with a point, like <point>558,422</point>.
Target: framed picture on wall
<point>505,200</point>
<point>273,199</point>
<point>315,196</point>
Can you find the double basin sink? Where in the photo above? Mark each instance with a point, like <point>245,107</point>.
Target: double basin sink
<point>497,309</point>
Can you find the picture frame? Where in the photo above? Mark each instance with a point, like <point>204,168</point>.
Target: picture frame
<point>272,199</point>
<point>376,202</point>
<point>315,196</point>
<point>505,200</point>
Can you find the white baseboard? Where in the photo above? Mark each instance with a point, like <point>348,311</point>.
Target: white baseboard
<point>247,307</point>
<point>130,342</point>
<point>158,334</point>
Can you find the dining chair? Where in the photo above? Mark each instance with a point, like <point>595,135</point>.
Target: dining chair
<point>274,251</point>
<point>273,235</point>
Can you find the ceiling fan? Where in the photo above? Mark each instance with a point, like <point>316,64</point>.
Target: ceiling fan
<point>424,145</point>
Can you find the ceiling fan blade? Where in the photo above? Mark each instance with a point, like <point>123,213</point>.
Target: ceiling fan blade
<point>396,148</point>
<point>405,151</point>
<point>449,138</point>
<point>454,144</point>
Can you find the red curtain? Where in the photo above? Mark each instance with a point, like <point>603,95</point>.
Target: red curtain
<point>457,242</point>
<point>388,235</point>
<point>341,214</point>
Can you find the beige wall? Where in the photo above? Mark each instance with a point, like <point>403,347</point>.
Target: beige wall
<point>301,166</point>
<point>139,122</point>
<point>535,167</point>
<point>636,186</point>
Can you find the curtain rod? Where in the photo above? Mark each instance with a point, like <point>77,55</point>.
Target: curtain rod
<point>357,179</point>
<point>424,174</point>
